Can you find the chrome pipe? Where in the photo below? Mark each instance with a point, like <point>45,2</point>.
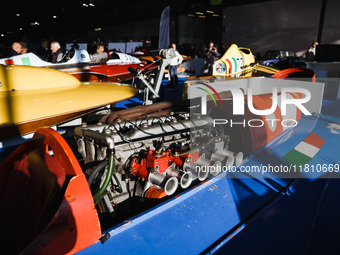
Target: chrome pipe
<point>185,178</point>
<point>213,168</point>
<point>196,170</point>
<point>218,157</point>
<point>238,156</point>
<point>238,159</point>
<point>169,185</point>
<point>229,160</point>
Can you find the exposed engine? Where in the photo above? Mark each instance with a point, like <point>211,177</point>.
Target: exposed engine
<point>151,158</point>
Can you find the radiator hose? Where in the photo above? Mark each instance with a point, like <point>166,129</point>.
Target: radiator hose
<point>106,183</point>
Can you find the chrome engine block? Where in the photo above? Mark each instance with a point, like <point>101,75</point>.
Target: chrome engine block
<point>155,157</point>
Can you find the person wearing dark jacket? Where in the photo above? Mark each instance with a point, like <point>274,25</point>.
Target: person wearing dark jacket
<point>311,52</point>
<point>16,49</point>
<point>211,55</point>
<point>57,52</point>
<point>23,47</point>
<point>43,51</point>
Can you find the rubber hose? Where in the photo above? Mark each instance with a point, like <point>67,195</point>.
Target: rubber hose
<point>103,188</point>
<point>120,189</point>
<point>99,167</point>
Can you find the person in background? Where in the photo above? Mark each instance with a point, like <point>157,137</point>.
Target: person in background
<point>194,51</point>
<point>100,55</point>
<point>43,51</point>
<point>211,55</point>
<point>310,54</point>
<point>223,49</point>
<point>176,61</point>
<point>16,49</point>
<point>258,57</point>
<point>23,47</point>
<point>57,52</point>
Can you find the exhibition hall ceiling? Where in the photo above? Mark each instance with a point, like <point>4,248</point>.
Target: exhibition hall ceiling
<point>42,17</point>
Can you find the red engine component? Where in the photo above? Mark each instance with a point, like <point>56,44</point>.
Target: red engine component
<point>163,161</point>
<point>142,165</point>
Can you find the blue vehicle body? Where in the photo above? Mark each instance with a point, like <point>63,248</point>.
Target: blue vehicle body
<point>247,214</point>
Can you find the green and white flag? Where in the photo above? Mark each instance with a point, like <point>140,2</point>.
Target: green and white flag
<point>305,150</point>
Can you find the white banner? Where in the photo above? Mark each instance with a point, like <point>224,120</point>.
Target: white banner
<point>164,39</point>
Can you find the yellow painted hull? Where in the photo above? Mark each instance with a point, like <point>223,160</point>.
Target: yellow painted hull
<point>239,62</point>
<point>264,70</point>
<point>30,94</point>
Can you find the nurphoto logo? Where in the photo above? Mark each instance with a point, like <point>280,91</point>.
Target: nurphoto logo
<point>280,97</point>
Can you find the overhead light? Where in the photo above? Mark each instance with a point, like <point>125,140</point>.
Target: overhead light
<point>54,17</point>
<point>18,14</point>
<point>216,15</point>
<point>201,16</point>
<point>35,23</point>
<point>2,35</point>
<point>20,29</point>
<point>88,5</point>
<point>209,11</point>
<point>191,15</point>
<point>98,29</point>
<point>200,13</point>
